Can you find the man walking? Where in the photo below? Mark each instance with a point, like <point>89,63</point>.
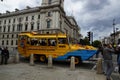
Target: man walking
<point>107,56</point>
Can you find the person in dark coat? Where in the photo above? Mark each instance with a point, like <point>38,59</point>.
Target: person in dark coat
<point>118,57</point>
<point>4,55</point>
<point>107,56</point>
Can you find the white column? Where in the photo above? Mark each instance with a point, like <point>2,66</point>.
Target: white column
<point>32,59</point>
<point>50,61</point>
<point>72,63</point>
<point>99,66</point>
<point>17,57</point>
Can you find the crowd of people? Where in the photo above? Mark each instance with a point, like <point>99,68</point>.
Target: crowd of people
<point>107,51</point>
<point>4,55</point>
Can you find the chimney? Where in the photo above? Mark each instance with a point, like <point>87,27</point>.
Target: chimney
<point>28,7</point>
<point>7,11</point>
<point>16,9</point>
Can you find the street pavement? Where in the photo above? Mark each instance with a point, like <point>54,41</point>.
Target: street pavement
<point>23,71</point>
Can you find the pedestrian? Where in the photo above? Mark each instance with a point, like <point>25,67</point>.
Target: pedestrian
<point>4,55</point>
<point>118,57</point>
<point>108,50</point>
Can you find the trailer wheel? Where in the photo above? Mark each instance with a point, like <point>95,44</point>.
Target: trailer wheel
<point>42,58</point>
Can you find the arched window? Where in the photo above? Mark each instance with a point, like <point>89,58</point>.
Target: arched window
<point>48,24</point>
<point>32,26</point>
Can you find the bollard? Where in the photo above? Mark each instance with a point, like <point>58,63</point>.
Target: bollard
<point>50,64</point>
<point>72,63</point>
<point>32,59</point>
<point>17,57</point>
<point>99,66</point>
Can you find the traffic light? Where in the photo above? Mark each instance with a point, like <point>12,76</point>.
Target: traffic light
<point>89,34</point>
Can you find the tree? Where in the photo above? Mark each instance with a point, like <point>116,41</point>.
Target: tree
<point>85,41</point>
<point>96,43</point>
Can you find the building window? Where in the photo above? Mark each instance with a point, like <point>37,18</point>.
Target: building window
<point>19,27</point>
<point>38,16</point>
<point>20,19</point>
<point>7,42</point>
<point>14,20</point>
<point>48,24</point>
<point>9,28</point>
<point>16,42</point>
<point>60,25</point>
<point>49,1</point>
<point>0,28</point>
<point>4,29</point>
<point>4,21</point>
<point>32,26</point>
<point>16,35</point>
<point>12,42</point>
<point>0,22</point>
<point>7,36</point>
<point>32,17</point>
<point>9,20</point>
<point>38,26</point>
<point>27,18</point>
<point>12,35</point>
<point>49,14</point>
<point>2,42</point>
<point>13,28</point>
<point>26,27</point>
<point>3,36</point>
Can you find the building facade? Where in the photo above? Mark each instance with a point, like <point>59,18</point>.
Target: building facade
<point>114,38</point>
<point>50,17</point>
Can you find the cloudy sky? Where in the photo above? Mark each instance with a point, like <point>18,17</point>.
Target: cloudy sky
<point>91,15</point>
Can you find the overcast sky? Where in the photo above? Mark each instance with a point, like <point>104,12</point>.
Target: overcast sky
<point>91,15</point>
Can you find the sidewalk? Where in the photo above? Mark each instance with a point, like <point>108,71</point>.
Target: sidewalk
<point>24,71</point>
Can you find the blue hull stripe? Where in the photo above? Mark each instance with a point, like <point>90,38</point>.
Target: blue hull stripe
<point>83,54</point>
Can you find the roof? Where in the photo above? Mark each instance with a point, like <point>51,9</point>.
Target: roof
<point>35,35</point>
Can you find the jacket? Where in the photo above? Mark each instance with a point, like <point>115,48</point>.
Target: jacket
<point>107,53</point>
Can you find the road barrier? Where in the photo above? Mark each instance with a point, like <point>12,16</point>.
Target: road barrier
<point>72,63</point>
<point>17,58</point>
<point>32,59</point>
<point>99,66</point>
<point>50,63</point>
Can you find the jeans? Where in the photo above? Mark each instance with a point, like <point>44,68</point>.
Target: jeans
<point>109,68</point>
<point>4,59</point>
<point>104,67</point>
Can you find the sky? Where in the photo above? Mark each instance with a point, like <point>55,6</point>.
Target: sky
<point>91,15</point>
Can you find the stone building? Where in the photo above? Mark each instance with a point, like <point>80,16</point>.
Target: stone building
<point>115,37</point>
<point>50,17</point>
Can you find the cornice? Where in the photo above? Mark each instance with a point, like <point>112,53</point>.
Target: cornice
<point>30,10</point>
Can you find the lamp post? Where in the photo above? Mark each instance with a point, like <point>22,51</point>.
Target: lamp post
<point>114,31</point>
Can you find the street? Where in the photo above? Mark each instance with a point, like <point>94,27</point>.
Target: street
<point>60,71</point>
<point>23,71</point>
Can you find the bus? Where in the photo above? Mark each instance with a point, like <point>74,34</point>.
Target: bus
<point>56,45</point>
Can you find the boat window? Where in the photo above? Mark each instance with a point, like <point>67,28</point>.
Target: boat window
<point>62,41</point>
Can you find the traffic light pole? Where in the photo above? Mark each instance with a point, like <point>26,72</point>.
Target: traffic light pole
<point>90,37</point>
<point>114,31</point>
